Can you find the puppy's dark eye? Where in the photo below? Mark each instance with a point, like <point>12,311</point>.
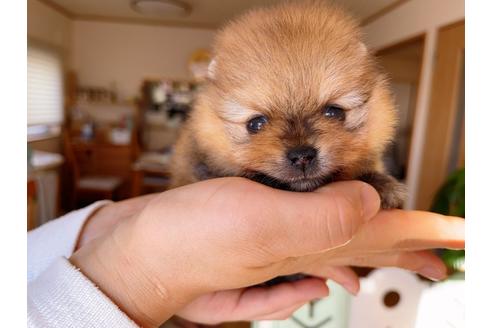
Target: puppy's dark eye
<point>334,112</point>
<point>256,124</point>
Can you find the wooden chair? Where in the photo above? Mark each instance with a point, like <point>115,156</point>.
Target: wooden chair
<point>104,186</point>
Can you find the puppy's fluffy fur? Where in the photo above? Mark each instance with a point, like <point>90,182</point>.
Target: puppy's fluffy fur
<point>289,63</point>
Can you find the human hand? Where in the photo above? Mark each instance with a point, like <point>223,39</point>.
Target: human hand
<point>151,259</point>
<point>239,304</point>
<point>270,220</point>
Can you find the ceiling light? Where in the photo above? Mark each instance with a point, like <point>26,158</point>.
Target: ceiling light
<point>161,8</point>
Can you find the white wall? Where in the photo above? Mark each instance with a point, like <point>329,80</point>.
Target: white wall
<point>49,26</point>
<point>125,54</point>
<point>103,53</point>
<point>410,19</point>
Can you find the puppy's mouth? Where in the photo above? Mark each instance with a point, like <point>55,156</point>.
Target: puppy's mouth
<point>300,184</point>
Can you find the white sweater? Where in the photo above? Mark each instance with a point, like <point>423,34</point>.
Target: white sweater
<point>59,295</point>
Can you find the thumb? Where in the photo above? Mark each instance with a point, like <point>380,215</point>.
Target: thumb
<point>308,223</point>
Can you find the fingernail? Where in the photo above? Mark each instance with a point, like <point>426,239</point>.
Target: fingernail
<point>370,201</point>
<point>322,294</point>
<point>432,273</point>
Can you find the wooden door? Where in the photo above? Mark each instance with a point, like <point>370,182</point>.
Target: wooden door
<point>444,137</point>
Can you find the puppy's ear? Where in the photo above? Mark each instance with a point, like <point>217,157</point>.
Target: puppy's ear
<point>212,69</point>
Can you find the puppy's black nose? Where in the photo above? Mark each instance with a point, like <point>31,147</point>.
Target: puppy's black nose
<point>302,157</point>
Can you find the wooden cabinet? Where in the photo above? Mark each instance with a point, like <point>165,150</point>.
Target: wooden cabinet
<point>103,158</point>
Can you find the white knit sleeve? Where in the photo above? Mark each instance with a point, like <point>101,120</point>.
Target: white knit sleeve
<point>63,297</point>
<point>55,239</point>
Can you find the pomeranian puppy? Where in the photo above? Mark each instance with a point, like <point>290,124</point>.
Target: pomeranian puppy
<point>294,101</point>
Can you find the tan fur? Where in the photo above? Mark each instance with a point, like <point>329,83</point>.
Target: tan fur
<point>286,62</point>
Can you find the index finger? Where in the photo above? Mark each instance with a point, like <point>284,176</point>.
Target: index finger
<point>398,230</point>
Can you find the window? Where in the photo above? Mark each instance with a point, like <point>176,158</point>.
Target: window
<point>44,87</point>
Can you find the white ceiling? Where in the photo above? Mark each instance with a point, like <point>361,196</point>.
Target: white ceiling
<point>204,13</point>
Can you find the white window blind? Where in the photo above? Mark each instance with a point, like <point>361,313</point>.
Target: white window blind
<point>44,86</point>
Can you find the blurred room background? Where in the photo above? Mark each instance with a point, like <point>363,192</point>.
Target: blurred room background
<point>111,82</point>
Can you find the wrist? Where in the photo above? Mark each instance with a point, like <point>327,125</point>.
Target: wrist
<point>118,272</point>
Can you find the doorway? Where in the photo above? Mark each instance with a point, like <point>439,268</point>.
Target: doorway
<point>444,149</point>
<point>402,62</point>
